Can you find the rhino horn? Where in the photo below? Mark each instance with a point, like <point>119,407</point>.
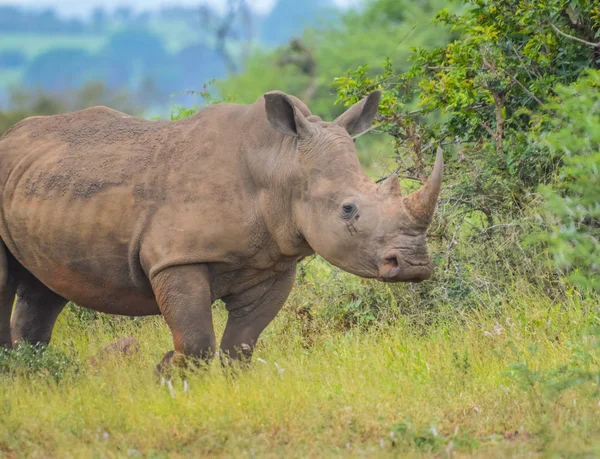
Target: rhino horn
<point>390,186</point>
<point>421,203</point>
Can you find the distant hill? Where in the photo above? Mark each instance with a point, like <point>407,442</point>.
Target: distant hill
<point>152,56</point>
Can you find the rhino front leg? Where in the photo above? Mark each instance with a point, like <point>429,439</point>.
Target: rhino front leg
<point>251,312</point>
<point>184,299</point>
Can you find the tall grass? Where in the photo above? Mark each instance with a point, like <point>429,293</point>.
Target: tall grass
<point>485,382</point>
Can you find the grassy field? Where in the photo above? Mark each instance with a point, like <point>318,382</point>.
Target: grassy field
<point>466,383</point>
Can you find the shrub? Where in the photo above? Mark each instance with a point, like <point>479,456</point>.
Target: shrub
<point>572,130</point>
<point>27,359</point>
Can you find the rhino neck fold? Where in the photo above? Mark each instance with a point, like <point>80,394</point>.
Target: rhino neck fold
<point>270,162</point>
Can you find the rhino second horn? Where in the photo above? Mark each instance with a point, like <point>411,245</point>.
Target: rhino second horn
<point>421,203</point>
<point>390,186</point>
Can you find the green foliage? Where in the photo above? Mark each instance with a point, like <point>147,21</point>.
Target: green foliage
<point>178,112</point>
<point>479,96</point>
<point>479,90</point>
<point>29,359</point>
<point>571,130</point>
<point>552,388</point>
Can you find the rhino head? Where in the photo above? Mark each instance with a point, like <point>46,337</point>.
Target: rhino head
<point>369,230</point>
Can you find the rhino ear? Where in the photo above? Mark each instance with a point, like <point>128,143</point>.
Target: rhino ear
<point>284,116</point>
<point>361,115</point>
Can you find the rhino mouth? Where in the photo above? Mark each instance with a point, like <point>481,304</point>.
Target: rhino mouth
<point>395,267</point>
<point>417,264</point>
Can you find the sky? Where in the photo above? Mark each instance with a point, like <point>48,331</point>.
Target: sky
<point>79,8</point>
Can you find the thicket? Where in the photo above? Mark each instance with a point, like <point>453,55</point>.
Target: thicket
<point>513,100</point>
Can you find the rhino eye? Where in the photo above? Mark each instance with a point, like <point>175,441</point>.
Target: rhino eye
<point>348,211</point>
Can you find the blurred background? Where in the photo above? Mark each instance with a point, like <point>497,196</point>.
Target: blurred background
<point>148,57</point>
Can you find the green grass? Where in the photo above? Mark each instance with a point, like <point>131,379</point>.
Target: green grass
<point>33,44</point>
<point>470,383</point>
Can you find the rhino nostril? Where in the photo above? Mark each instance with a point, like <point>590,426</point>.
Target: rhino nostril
<point>393,261</point>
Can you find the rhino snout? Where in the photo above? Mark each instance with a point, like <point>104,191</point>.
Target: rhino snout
<point>396,266</point>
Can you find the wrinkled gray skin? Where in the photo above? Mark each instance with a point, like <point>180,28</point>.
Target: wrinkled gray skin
<point>136,217</point>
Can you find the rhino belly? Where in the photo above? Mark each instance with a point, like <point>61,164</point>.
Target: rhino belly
<point>85,250</point>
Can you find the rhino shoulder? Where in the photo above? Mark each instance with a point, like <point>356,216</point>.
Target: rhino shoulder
<point>100,112</point>
<point>97,115</point>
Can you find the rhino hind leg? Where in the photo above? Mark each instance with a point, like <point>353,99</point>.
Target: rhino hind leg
<point>7,296</point>
<point>36,311</point>
<point>250,313</point>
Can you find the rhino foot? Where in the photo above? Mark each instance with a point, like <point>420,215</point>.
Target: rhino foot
<point>163,369</point>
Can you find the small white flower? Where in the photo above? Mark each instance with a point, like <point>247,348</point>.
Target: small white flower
<point>434,431</point>
<point>476,409</point>
<point>186,387</point>
<point>381,443</point>
<point>449,448</point>
<point>171,390</point>
<point>510,323</point>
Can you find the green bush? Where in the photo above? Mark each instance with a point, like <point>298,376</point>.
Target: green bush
<point>571,131</point>
<point>27,359</point>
